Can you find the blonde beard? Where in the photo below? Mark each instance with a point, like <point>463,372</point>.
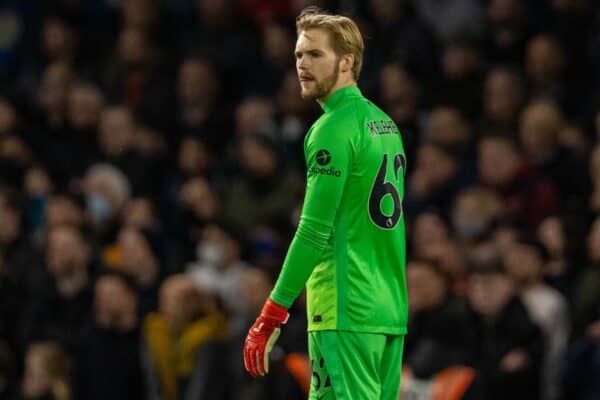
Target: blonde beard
<point>324,86</point>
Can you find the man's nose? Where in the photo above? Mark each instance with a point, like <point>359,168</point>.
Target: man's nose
<point>302,63</point>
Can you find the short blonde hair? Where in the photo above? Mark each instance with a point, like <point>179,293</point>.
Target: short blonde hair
<point>345,35</point>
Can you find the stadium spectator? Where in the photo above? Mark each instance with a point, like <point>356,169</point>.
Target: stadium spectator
<point>586,296</point>
<point>527,197</point>
<point>221,32</point>
<point>474,214</point>
<point>428,231</point>
<point>37,185</point>
<point>8,118</point>
<point>140,14</point>
<point>118,135</point>
<point>582,364</point>
<point>10,315</point>
<point>292,117</point>
<point>462,77</point>
<point>59,39</point>
<point>46,376</point>
<point>219,270</point>
<point>8,372</point>
<point>541,127</point>
<point>137,78</point>
<point>192,204</point>
<point>448,128</point>
<point>398,33</point>
<point>64,209</point>
<point>111,367</point>
<point>545,64</point>
<point>195,158</point>
<point>14,243</point>
<point>140,213</point>
<point>276,57</point>
<point>562,238</point>
<point>509,26</point>
<point>524,262</point>
<point>502,99</point>
<point>60,308</point>
<point>115,133</point>
<point>253,113</point>
<point>15,158</point>
<point>399,92</point>
<point>437,175</point>
<point>201,112</point>
<point>439,334</point>
<point>182,344</point>
<point>452,18</point>
<point>80,145</point>
<point>507,350</point>
<point>140,254</point>
<point>267,190</point>
<point>49,116</point>
<point>106,191</point>
<point>401,95</point>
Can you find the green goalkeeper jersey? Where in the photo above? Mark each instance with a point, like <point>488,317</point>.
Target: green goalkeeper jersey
<point>349,248</point>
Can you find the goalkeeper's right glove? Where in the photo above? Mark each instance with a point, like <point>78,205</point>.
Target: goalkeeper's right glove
<point>262,337</point>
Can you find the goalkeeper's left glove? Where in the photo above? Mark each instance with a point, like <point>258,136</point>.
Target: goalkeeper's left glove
<point>262,337</point>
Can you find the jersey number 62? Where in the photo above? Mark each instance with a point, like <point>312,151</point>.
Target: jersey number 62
<point>381,188</point>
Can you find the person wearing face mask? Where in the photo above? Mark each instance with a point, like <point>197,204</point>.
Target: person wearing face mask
<point>475,210</point>
<point>106,191</point>
<point>219,269</point>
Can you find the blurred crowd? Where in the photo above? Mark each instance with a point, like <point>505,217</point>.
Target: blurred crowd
<point>152,176</point>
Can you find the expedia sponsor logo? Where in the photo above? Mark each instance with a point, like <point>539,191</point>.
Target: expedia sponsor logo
<point>323,157</point>
<point>331,171</point>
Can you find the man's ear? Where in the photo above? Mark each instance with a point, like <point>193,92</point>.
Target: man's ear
<point>348,61</point>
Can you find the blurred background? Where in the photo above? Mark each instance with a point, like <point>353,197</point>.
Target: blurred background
<point>152,175</point>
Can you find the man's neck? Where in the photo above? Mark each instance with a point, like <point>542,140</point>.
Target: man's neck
<point>339,85</point>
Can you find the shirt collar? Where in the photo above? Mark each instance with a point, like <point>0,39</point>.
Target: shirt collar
<point>340,96</point>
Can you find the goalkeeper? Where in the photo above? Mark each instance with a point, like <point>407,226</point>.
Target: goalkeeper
<point>349,248</point>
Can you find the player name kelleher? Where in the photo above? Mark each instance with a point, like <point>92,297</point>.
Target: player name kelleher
<point>382,127</point>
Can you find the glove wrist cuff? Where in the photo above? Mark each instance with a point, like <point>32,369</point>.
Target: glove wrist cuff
<point>274,311</point>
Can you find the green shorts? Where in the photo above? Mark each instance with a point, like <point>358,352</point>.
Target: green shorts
<point>355,366</point>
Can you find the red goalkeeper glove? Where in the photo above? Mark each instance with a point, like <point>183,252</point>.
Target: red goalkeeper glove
<point>262,337</point>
